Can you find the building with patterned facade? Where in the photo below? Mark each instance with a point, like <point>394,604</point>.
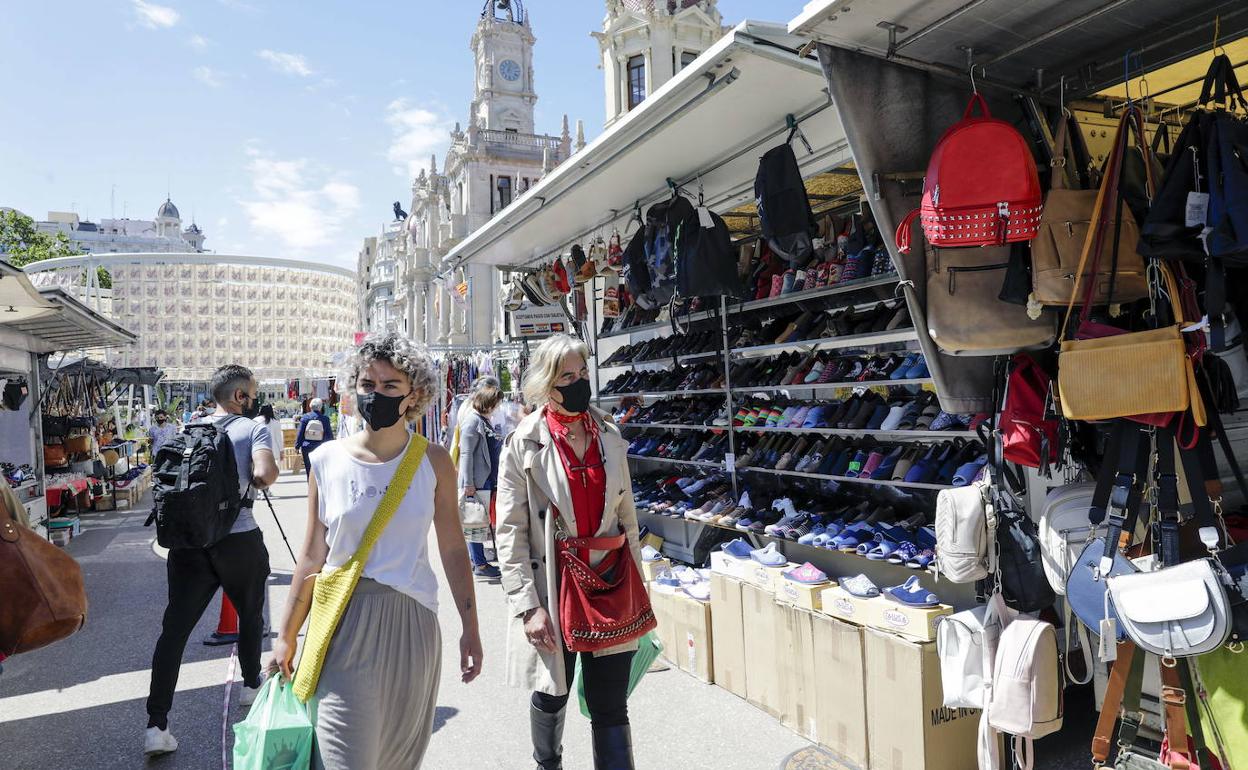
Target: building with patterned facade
<point>283,318</point>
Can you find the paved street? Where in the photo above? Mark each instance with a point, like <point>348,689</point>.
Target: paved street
<point>79,703</point>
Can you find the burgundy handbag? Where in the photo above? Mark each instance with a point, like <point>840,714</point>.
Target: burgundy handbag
<point>603,607</point>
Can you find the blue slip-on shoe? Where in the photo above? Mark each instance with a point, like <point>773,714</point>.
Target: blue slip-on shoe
<point>738,549</point>
<point>967,473</point>
<point>919,370</point>
<point>769,556</point>
<point>912,593</point>
<point>900,372</point>
<point>904,553</point>
<point>945,421</point>
<point>809,537</point>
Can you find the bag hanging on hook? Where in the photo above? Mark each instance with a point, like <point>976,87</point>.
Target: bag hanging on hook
<point>784,212</point>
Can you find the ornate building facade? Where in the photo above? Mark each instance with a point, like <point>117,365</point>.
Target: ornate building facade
<point>164,234</point>
<point>644,43</point>
<point>490,163</point>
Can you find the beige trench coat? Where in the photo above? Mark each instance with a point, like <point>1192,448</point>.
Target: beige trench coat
<point>530,478</point>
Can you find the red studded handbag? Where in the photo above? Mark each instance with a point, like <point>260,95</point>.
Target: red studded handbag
<point>981,186</point>
<point>605,606</point>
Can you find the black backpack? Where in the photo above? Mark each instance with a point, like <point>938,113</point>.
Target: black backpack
<point>1020,563</point>
<point>783,207</point>
<point>706,265</point>
<point>195,487</point>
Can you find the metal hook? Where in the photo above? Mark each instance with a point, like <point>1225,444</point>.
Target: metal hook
<point>974,89</point>
<point>1217,30</point>
<point>1061,96</point>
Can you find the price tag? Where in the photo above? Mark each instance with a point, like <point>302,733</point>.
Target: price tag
<point>704,217</point>
<point>1108,649</point>
<point>730,463</point>
<point>1197,211</point>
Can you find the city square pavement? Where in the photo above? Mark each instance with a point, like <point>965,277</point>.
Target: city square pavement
<point>79,703</point>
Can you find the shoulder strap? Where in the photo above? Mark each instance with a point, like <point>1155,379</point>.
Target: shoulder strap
<point>1111,707</point>
<point>1061,154</point>
<point>389,504</point>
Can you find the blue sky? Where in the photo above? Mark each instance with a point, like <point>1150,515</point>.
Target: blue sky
<point>286,128</point>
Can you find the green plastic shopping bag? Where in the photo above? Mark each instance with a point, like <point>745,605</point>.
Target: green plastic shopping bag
<point>648,648</point>
<point>1224,716</point>
<point>277,734</point>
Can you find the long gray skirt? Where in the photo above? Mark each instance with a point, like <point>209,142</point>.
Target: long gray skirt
<point>379,686</point>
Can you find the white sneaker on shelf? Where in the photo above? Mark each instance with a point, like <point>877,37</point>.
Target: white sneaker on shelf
<point>248,694</point>
<point>157,741</point>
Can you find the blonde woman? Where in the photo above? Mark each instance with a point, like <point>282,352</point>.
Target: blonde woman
<point>378,687</point>
<point>563,468</point>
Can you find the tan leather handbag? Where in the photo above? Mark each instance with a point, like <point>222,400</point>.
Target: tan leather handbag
<point>1056,250</point>
<point>1108,372</point>
<point>43,595</point>
<point>965,317</point>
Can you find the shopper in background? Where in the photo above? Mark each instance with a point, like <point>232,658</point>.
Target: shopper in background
<point>565,466</point>
<point>162,431</point>
<point>314,430</point>
<point>239,563</point>
<point>206,407</point>
<point>378,687</point>
<point>479,446</point>
<point>273,424</point>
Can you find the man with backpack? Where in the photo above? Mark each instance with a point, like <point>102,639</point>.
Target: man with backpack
<point>314,430</point>
<point>205,480</point>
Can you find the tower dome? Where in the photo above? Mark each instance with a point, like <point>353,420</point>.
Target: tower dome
<point>505,10</point>
<point>167,209</point>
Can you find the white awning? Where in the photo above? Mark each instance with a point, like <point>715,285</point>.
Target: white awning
<point>1027,45</point>
<point>64,324</point>
<point>19,299</point>
<point>708,125</point>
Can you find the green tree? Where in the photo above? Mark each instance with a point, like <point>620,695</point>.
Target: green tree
<point>21,244</point>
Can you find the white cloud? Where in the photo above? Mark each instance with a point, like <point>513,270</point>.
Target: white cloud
<point>417,133</point>
<point>287,63</point>
<point>155,16</point>
<point>209,77</point>
<point>301,206</point>
<point>198,42</point>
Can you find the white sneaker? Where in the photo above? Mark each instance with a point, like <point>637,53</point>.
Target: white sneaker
<point>157,741</point>
<point>248,694</point>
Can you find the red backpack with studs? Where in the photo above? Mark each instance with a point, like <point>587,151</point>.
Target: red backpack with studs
<point>981,187</point>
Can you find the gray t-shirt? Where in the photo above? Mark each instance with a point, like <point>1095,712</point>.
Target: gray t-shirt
<point>248,437</point>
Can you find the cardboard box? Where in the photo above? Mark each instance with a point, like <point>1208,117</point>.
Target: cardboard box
<point>918,623</point>
<point>651,569</point>
<point>728,634</point>
<point>911,729</point>
<point>723,564</point>
<point>653,540</point>
<point>839,603</point>
<point>685,630</point>
<point>766,578</point>
<point>762,623</point>
<point>808,597</point>
<point>105,503</point>
<point>840,689</point>
<point>795,662</point>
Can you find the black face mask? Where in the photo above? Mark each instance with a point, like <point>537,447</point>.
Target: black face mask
<point>252,409</point>
<point>378,410</point>
<point>575,396</point>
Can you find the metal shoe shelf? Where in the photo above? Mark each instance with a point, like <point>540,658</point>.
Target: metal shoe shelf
<point>884,286</point>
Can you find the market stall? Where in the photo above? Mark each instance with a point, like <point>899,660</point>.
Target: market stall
<point>38,323</point>
<point>887,454</point>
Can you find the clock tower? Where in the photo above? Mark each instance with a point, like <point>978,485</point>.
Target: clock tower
<point>502,47</point>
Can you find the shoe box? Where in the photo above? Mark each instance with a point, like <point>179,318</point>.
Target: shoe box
<point>723,564</point>
<point>916,623</point>
<point>805,595</point>
<point>911,728</point>
<point>651,569</point>
<point>728,633</point>
<point>768,579</point>
<point>684,628</point>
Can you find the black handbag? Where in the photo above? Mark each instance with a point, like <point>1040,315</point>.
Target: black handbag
<point>1235,561</point>
<point>1021,564</point>
<point>55,427</point>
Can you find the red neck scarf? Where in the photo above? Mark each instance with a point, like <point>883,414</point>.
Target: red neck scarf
<point>587,475</point>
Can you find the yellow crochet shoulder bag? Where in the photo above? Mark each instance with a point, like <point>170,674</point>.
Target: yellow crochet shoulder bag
<point>334,585</point>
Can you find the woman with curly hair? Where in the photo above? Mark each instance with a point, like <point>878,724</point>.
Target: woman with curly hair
<point>375,697</point>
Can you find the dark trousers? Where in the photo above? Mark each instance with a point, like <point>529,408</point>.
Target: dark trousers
<point>606,688</point>
<point>476,552</point>
<point>239,565</point>
<point>307,464</point>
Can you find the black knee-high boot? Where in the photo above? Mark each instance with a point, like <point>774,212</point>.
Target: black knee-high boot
<point>547,732</point>
<point>613,748</point>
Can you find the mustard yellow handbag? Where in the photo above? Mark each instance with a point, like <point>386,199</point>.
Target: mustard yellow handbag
<point>334,585</point>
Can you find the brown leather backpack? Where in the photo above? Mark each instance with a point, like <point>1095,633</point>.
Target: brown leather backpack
<point>43,595</point>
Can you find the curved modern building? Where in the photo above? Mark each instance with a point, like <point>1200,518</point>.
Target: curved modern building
<point>283,318</point>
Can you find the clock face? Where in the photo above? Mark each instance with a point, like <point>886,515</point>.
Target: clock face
<point>509,70</point>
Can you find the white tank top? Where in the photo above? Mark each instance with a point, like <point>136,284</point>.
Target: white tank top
<point>349,492</point>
